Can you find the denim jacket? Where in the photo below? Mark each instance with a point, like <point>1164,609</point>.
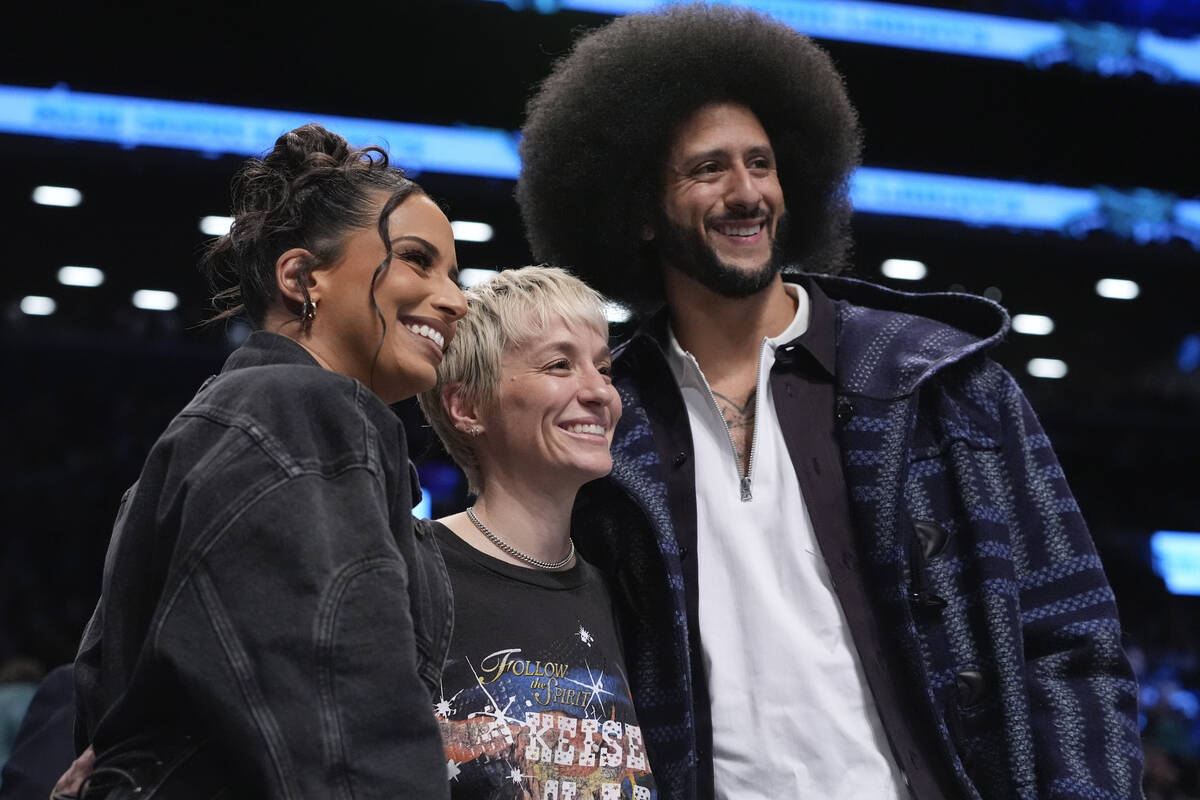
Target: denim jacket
<point>264,589</point>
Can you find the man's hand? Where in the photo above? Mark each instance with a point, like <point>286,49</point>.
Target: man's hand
<point>68,785</point>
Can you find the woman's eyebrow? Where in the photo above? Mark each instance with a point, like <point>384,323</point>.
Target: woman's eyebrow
<point>433,251</point>
<point>557,346</point>
<point>569,348</point>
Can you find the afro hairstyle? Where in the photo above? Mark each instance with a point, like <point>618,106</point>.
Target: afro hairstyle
<point>599,128</point>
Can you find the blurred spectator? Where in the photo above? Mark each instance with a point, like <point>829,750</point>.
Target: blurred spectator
<point>18,681</point>
<point>1168,670</point>
<point>45,746</point>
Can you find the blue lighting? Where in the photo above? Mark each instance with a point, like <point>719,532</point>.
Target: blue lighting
<point>424,509</point>
<point>975,201</point>
<point>1185,702</point>
<point>219,130</point>
<point>1189,353</point>
<point>441,478</point>
<point>1102,48</point>
<point>1176,556</point>
<point>1139,215</point>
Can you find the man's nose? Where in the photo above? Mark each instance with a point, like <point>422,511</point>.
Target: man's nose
<point>743,190</point>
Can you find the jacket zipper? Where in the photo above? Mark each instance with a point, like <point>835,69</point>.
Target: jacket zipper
<point>744,482</point>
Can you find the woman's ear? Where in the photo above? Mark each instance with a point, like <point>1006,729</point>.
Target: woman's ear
<point>293,275</point>
<point>462,412</point>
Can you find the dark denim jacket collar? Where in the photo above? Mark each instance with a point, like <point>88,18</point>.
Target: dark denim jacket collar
<point>264,347</point>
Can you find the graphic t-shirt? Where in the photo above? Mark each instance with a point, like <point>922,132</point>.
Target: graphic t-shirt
<point>534,700</point>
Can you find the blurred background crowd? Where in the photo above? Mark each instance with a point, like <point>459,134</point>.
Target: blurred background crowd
<point>1038,152</point>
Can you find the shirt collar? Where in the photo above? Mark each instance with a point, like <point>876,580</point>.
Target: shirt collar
<point>812,328</point>
<point>820,338</point>
<point>682,363</point>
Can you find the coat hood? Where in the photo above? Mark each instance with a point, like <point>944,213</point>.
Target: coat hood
<point>889,342</point>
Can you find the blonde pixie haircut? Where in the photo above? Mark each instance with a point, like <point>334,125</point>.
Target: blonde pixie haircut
<point>502,313</point>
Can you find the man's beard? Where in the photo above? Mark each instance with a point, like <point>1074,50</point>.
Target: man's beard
<point>687,251</point>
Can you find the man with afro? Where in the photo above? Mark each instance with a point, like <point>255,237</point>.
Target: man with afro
<point>845,557</point>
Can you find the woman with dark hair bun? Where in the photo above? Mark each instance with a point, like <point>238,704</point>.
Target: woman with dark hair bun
<point>269,625</point>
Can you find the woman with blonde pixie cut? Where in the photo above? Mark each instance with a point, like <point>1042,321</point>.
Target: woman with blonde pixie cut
<point>534,701</point>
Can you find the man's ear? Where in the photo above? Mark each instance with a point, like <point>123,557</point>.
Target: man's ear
<point>293,270</point>
<point>462,412</point>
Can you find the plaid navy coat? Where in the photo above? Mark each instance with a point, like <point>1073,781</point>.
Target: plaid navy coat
<point>1021,673</point>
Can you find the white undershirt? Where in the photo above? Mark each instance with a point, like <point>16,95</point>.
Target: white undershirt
<point>791,712</point>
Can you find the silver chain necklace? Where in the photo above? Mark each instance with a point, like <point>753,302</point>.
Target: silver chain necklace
<point>514,552</point>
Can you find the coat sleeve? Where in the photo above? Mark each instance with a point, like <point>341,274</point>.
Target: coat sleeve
<point>1081,690</point>
<point>291,636</point>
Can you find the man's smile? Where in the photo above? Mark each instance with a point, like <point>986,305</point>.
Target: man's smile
<point>739,229</point>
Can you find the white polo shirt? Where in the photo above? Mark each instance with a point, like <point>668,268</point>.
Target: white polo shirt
<point>792,715</point>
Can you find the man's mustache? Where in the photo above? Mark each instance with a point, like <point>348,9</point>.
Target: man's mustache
<point>736,215</point>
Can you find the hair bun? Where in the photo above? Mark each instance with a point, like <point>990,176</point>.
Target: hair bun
<point>307,192</point>
<point>298,150</point>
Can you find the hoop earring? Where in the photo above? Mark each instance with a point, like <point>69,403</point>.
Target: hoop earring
<point>309,312</point>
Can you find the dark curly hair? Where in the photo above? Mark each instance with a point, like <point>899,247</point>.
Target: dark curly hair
<point>598,130</point>
<point>309,191</point>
